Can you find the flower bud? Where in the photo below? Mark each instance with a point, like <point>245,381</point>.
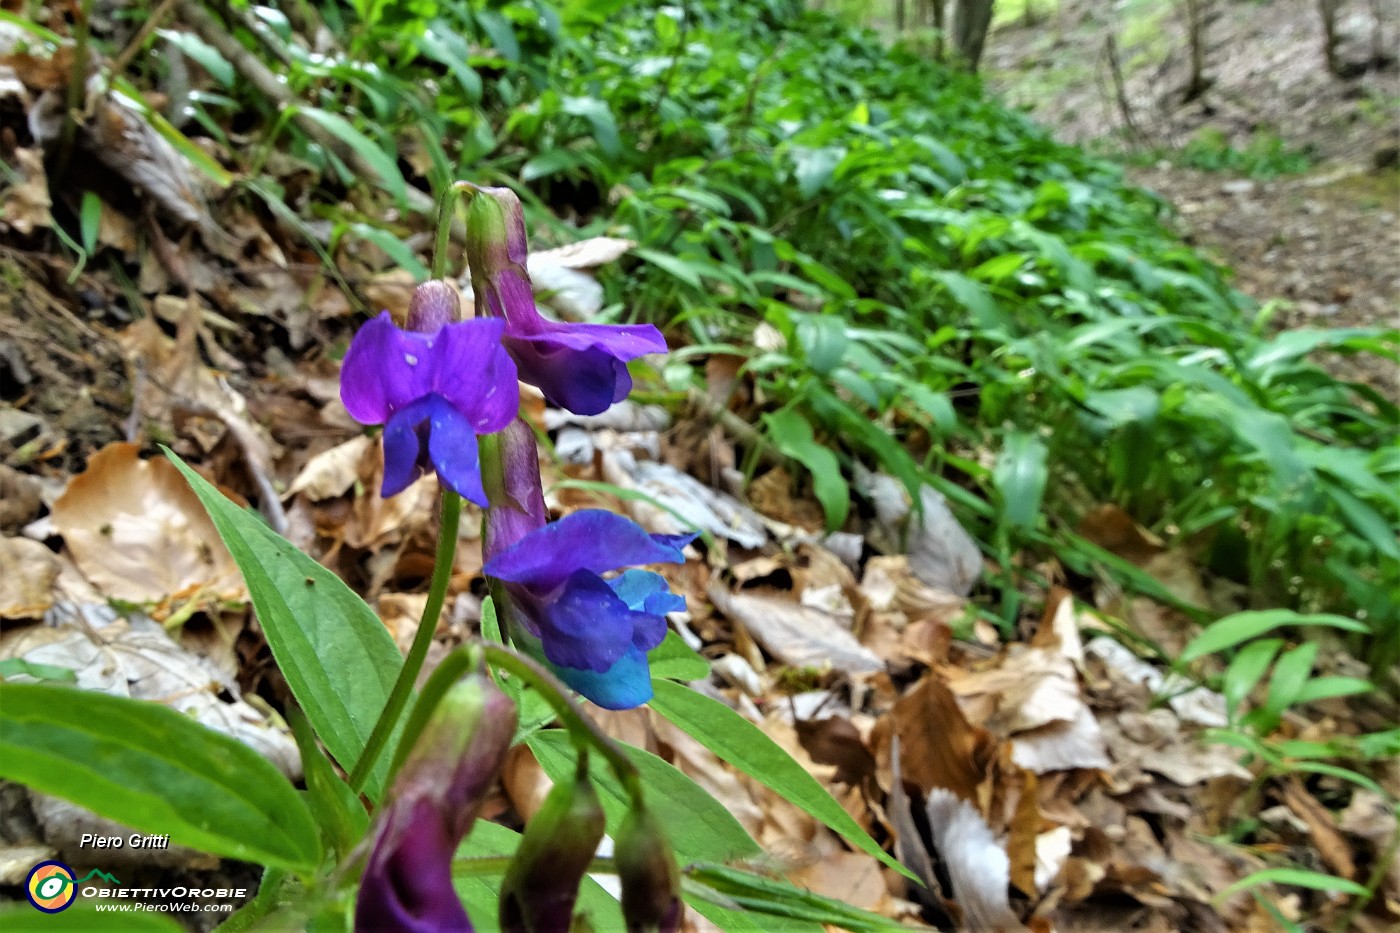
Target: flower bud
<point>651,889</point>
<point>407,883</point>
<point>541,885</point>
<point>434,304</point>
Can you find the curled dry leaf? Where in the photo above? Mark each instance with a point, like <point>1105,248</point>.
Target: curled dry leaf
<point>796,634</point>
<point>25,205</point>
<point>977,864</point>
<point>139,533</point>
<point>26,586</point>
<point>698,505</point>
<point>332,472</point>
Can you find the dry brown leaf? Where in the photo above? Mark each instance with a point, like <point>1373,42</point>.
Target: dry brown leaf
<point>1335,852</point>
<point>332,472</point>
<point>26,586</point>
<point>938,747</point>
<point>698,505</point>
<point>138,532</point>
<point>25,205</point>
<point>796,634</point>
<point>851,877</point>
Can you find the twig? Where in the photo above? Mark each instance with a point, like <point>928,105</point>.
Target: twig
<point>77,86</point>
<point>739,428</point>
<point>1121,95</point>
<point>120,63</point>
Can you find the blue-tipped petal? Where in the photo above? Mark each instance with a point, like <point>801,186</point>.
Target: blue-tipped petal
<point>452,448</point>
<point>625,685</point>
<point>591,539</point>
<point>586,625</point>
<point>403,447</point>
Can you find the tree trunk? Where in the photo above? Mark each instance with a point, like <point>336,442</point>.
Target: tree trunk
<point>1196,84</point>
<point>971,20</point>
<point>1327,9</point>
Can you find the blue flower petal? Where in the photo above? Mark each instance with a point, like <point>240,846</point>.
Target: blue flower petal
<point>625,685</point>
<point>648,595</point>
<point>591,539</point>
<point>453,450</point>
<point>385,370</point>
<point>476,374</point>
<point>403,447</point>
<point>585,626</point>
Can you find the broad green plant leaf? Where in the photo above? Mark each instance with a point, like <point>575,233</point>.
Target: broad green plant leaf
<point>334,651</point>
<point>701,828</point>
<point>383,163</point>
<point>202,54</point>
<point>1246,670</point>
<point>675,660</point>
<point>745,746</point>
<point>1242,626</point>
<point>1020,475</point>
<point>156,770</point>
<point>792,434</point>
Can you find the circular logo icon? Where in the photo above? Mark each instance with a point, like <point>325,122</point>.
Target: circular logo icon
<point>51,887</point>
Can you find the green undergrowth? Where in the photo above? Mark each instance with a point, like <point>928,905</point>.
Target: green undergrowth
<point>950,295</point>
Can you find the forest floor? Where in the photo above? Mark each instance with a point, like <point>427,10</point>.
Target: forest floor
<point>1280,170</point>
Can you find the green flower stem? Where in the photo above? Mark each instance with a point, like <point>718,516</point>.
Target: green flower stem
<point>581,728</point>
<point>497,865</point>
<point>457,663</point>
<point>418,651</point>
<point>446,203</point>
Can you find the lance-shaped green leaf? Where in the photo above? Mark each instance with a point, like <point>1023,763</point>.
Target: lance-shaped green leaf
<point>323,636</point>
<point>745,746</point>
<point>153,769</point>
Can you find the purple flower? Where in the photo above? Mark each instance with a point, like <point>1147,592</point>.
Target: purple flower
<point>407,883</point>
<point>578,367</point>
<point>434,392</point>
<point>593,631</point>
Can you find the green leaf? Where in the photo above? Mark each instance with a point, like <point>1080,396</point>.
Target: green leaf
<point>1242,626</point>
<point>599,117</point>
<point>676,267</point>
<point>823,340</point>
<point>781,899</point>
<point>90,221</point>
<point>156,770</point>
<point>337,808</point>
<point>19,667</point>
<point>550,163</point>
<point>384,164</point>
<point>1290,673</point>
<point>202,54</point>
<point>813,168</point>
<point>1297,877</point>
<point>745,746</point>
<point>338,658</point>
<point>701,828</point>
<point>973,296</point>
<point>674,659</point>
<point>1324,688</point>
<point>83,918</point>
<point>792,434</point>
<point>745,921</point>
<point>1246,670</point>
<point>396,249</point>
<point>1020,476</point>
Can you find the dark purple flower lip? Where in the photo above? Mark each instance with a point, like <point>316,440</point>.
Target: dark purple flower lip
<point>434,393</point>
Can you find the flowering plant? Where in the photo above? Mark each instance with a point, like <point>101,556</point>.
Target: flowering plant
<point>397,767</point>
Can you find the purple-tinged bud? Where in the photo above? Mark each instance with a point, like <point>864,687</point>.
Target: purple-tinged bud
<point>434,304</point>
<point>646,865</point>
<point>407,883</point>
<point>578,367</point>
<point>541,885</point>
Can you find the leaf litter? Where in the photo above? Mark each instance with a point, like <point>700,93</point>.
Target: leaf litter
<point>1060,777</point>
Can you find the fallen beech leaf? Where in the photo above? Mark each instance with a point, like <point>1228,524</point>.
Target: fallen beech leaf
<point>139,533</point>
<point>698,505</point>
<point>1335,852</point>
<point>796,634</point>
<point>26,587</point>
<point>25,205</point>
<point>938,747</point>
<point>332,472</point>
<point>977,865</point>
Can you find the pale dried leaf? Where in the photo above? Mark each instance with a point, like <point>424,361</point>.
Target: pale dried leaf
<point>332,472</point>
<point>139,533</point>
<point>26,584</point>
<point>584,254</point>
<point>796,634</point>
<point>698,505</point>
<point>977,864</point>
<point>25,204</point>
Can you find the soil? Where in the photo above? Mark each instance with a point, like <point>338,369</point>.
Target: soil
<point>1325,242</point>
